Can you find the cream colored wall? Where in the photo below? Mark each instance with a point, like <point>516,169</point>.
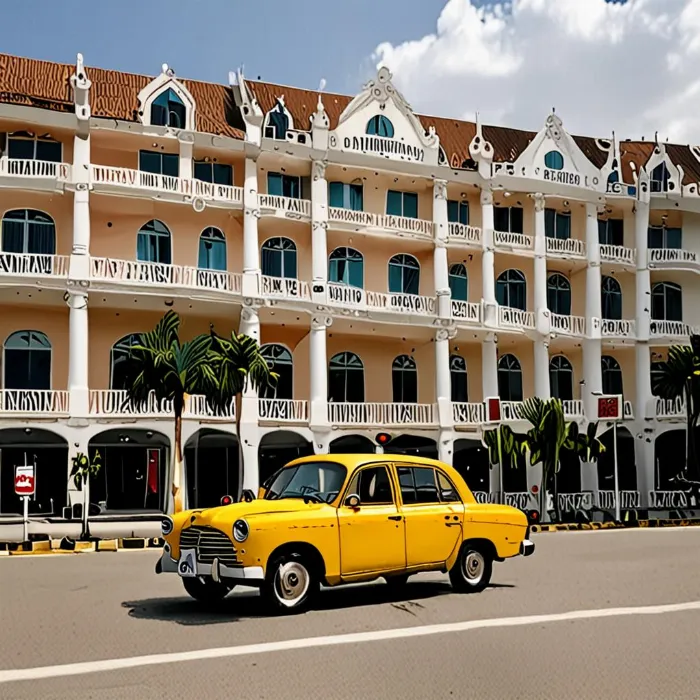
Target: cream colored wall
<point>58,207</point>
<point>53,322</point>
<point>63,136</point>
<point>690,223</point>
<point>578,293</point>
<point>296,340</point>
<point>122,150</point>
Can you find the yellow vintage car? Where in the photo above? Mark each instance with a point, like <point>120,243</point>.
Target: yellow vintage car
<point>335,519</point>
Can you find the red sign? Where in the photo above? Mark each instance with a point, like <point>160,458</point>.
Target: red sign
<point>610,408</point>
<point>493,410</point>
<point>25,480</point>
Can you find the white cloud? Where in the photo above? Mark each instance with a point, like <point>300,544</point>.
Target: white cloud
<point>604,66</point>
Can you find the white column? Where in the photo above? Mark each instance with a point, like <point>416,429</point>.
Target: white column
<point>643,281</point>
<point>186,154</point>
<point>488,275</point>
<point>540,283</point>
<point>446,447</point>
<point>251,214</point>
<point>319,226</point>
<point>541,358</point>
<point>78,354</point>
<point>318,372</point>
<point>249,437</point>
<point>489,367</point>
<point>440,264</point>
<point>443,386</point>
<point>592,374</point>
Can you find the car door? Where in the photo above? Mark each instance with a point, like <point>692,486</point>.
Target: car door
<point>372,536</point>
<point>433,514</point>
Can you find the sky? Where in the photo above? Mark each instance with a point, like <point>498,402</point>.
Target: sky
<point>604,65</point>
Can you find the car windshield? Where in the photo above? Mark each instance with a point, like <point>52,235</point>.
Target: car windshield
<point>319,481</point>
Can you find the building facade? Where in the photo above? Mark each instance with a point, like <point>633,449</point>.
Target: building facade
<point>397,269</point>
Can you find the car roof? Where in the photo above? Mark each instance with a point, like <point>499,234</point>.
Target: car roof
<point>355,460</point>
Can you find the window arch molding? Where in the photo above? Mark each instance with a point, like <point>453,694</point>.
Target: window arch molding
<point>154,240</point>
<point>666,301</point>
<point>406,274</point>
<point>213,251</point>
<point>346,265</point>
<point>278,257</point>
<point>164,82</point>
<point>511,289</point>
<point>510,378</point>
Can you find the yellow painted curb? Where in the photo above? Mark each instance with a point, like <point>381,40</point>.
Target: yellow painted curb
<point>108,545</point>
<point>84,547</point>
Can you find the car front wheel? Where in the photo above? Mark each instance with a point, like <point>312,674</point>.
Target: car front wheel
<point>206,590</point>
<point>471,572</point>
<point>291,583</point>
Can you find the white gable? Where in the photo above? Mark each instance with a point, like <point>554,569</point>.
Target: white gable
<point>166,80</point>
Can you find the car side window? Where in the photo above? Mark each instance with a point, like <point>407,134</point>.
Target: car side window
<point>448,493</point>
<point>408,486</point>
<point>373,486</point>
<point>426,485</point>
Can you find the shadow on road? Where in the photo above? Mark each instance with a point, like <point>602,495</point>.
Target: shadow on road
<point>243,606</point>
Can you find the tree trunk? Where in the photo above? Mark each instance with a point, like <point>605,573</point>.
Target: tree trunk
<point>555,495</point>
<point>177,465</point>
<point>239,410</point>
<point>85,534</point>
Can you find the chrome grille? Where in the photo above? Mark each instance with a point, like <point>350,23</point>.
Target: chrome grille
<point>210,544</point>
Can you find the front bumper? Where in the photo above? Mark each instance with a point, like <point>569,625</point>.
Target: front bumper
<point>245,575</point>
<point>527,548</point>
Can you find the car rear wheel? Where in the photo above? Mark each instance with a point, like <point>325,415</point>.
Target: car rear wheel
<point>291,583</point>
<point>472,571</point>
<point>206,590</point>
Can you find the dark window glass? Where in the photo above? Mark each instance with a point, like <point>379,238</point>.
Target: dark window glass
<point>511,289</point>
<point>121,372</point>
<point>458,379</point>
<point>216,173</point>
<point>373,486</point>
<point>561,377</point>
<point>402,204</point>
<point>29,231</point>
<point>279,360</point>
<point>559,295</point>
<point>612,375</point>
<point>404,275</point>
<point>212,250</point>
<point>458,282</point>
<point>611,232</point>
<point>284,185</point>
<point>27,361</point>
<point>153,243</point>
<point>346,378</point>
<point>279,258</point>
<point>666,302</point>
<point>611,299</point>
<point>346,266</point>
<point>168,110</point>
<point>159,163</point>
<point>458,212</point>
<point>510,379</point>
<point>404,379</point>
<point>380,126</point>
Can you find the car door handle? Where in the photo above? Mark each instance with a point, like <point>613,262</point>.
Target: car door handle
<point>453,524</point>
<point>394,517</point>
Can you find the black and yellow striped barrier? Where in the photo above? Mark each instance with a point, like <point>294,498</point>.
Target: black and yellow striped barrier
<point>574,527</point>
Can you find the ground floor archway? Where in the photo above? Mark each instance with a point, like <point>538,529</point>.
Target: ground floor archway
<point>212,467</point>
<point>626,463</point>
<point>48,451</point>
<point>669,459</point>
<point>352,444</point>
<point>471,460</point>
<point>416,445</point>
<point>279,447</point>
<point>134,473</point>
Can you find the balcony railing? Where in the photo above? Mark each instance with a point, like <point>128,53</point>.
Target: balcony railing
<point>381,222</point>
<point>34,403</point>
<point>670,329</point>
<point>567,247</point>
<point>668,500</point>
<point>523,500</point>
<point>670,408</point>
<point>283,410</point>
<point>114,178</point>
<point>670,257</point>
<point>511,410</point>
<point>346,295</point>
<point>284,287</point>
<point>32,265</point>
<point>466,311</point>
<point>517,241</point>
<point>582,500</point>
<point>289,207</point>
<point>115,403</point>
<point>381,414</point>
<point>573,409</point>
<point>468,413</point>
<point>617,328</point>
<point>628,499</point>
<point>402,303</point>
<point>618,254</point>
<point>484,497</point>
<point>515,318</point>
<point>462,233</point>
<point>568,325</point>
<point>34,169</point>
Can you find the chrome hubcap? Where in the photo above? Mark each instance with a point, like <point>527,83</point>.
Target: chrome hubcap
<point>291,583</point>
<point>474,567</point>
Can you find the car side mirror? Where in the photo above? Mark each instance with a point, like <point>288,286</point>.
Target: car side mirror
<point>247,496</point>
<point>352,501</point>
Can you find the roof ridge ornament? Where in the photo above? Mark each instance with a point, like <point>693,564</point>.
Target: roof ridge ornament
<point>480,149</point>
<point>554,126</point>
<point>81,85</point>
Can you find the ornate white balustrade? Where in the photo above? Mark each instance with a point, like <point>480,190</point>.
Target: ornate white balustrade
<point>568,502</point>
<point>568,325</point>
<point>671,329</point>
<point>464,234</point>
<point>115,403</point>
<point>617,328</point>
<point>35,171</point>
<point>668,500</point>
<point>515,318</point>
<point>573,409</point>
<point>484,497</point>
<point>565,247</point>
<point>30,265</point>
<point>512,241</point>
<point>673,258</point>
<point>379,223</point>
<point>670,409</point>
<point>618,254</point>
<point>346,295</point>
<point>381,414</point>
<point>523,500</point>
<point>605,500</point>
<point>112,179</point>
<point>512,410</point>
<point>287,207</point>
<point>466,311</point>
<point>283,410</point>
<point>468,413</point>
<point>34,403</point>
<point>402,303</point>
<point>284,288</point>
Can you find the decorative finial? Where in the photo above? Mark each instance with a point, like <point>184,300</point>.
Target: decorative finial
<point>164,68</point>
<point>322,85</point>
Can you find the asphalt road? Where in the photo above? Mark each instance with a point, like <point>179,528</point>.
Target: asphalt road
<point>503,644</point>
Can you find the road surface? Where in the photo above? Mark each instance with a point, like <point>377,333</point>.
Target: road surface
<point>601,615</point>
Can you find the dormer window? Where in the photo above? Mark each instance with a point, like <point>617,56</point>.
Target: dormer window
<point>168,110</point>
<point>659,178</point>
<point>277,123</point>
<point>26,146</point>
<point>380,126</point>
<point>554,160</point>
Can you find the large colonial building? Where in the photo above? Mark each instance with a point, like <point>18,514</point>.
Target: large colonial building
<point>398,270</point>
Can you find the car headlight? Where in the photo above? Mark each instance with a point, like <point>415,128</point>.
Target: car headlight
<point>166,526</point>
<point>241,530</point>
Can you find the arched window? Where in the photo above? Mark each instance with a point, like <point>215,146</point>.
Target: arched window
<point>666,302</point>
<point>554,160</point>
<point>168,110</point>
<point>279,258</point>
<point>612,375</point>
<point>561,378</point>
<point>458,379</point>
<point>346,266</point>
<point>346,378</point>
<point>27,361</point>
<point>120,371</point>
<point>380,126</point>
<point>153,243</point>
<point>458,282</point>
<point>280,361</point>
<point>611,299</point>
<point>28,231</point>
<point>659,178</point>
<point>24,145</point>
<point>404,274</point>
<point>511,289</point>
<point>510,379</point>
<point>657,373</point>
<point>277,123</point>
<point>212,249</point>
<point>559,294</point>
<point>404,379</point>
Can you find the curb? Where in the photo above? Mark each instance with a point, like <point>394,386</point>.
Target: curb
<point>575,527</point>
<point>68,546</point>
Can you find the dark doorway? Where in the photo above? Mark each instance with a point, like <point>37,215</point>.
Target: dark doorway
<point>413,445</point>
<point>278,448</point>
<point>626,464</point>
<point>212,468</point>
<point>352,444</point>
<point>471,460</point>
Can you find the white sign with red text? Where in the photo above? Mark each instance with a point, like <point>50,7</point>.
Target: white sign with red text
<point>25,480</point>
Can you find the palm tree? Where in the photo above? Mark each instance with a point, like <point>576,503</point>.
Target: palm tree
<point>165,367</point>
<point>504,446</point>
<point>237,364</point>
